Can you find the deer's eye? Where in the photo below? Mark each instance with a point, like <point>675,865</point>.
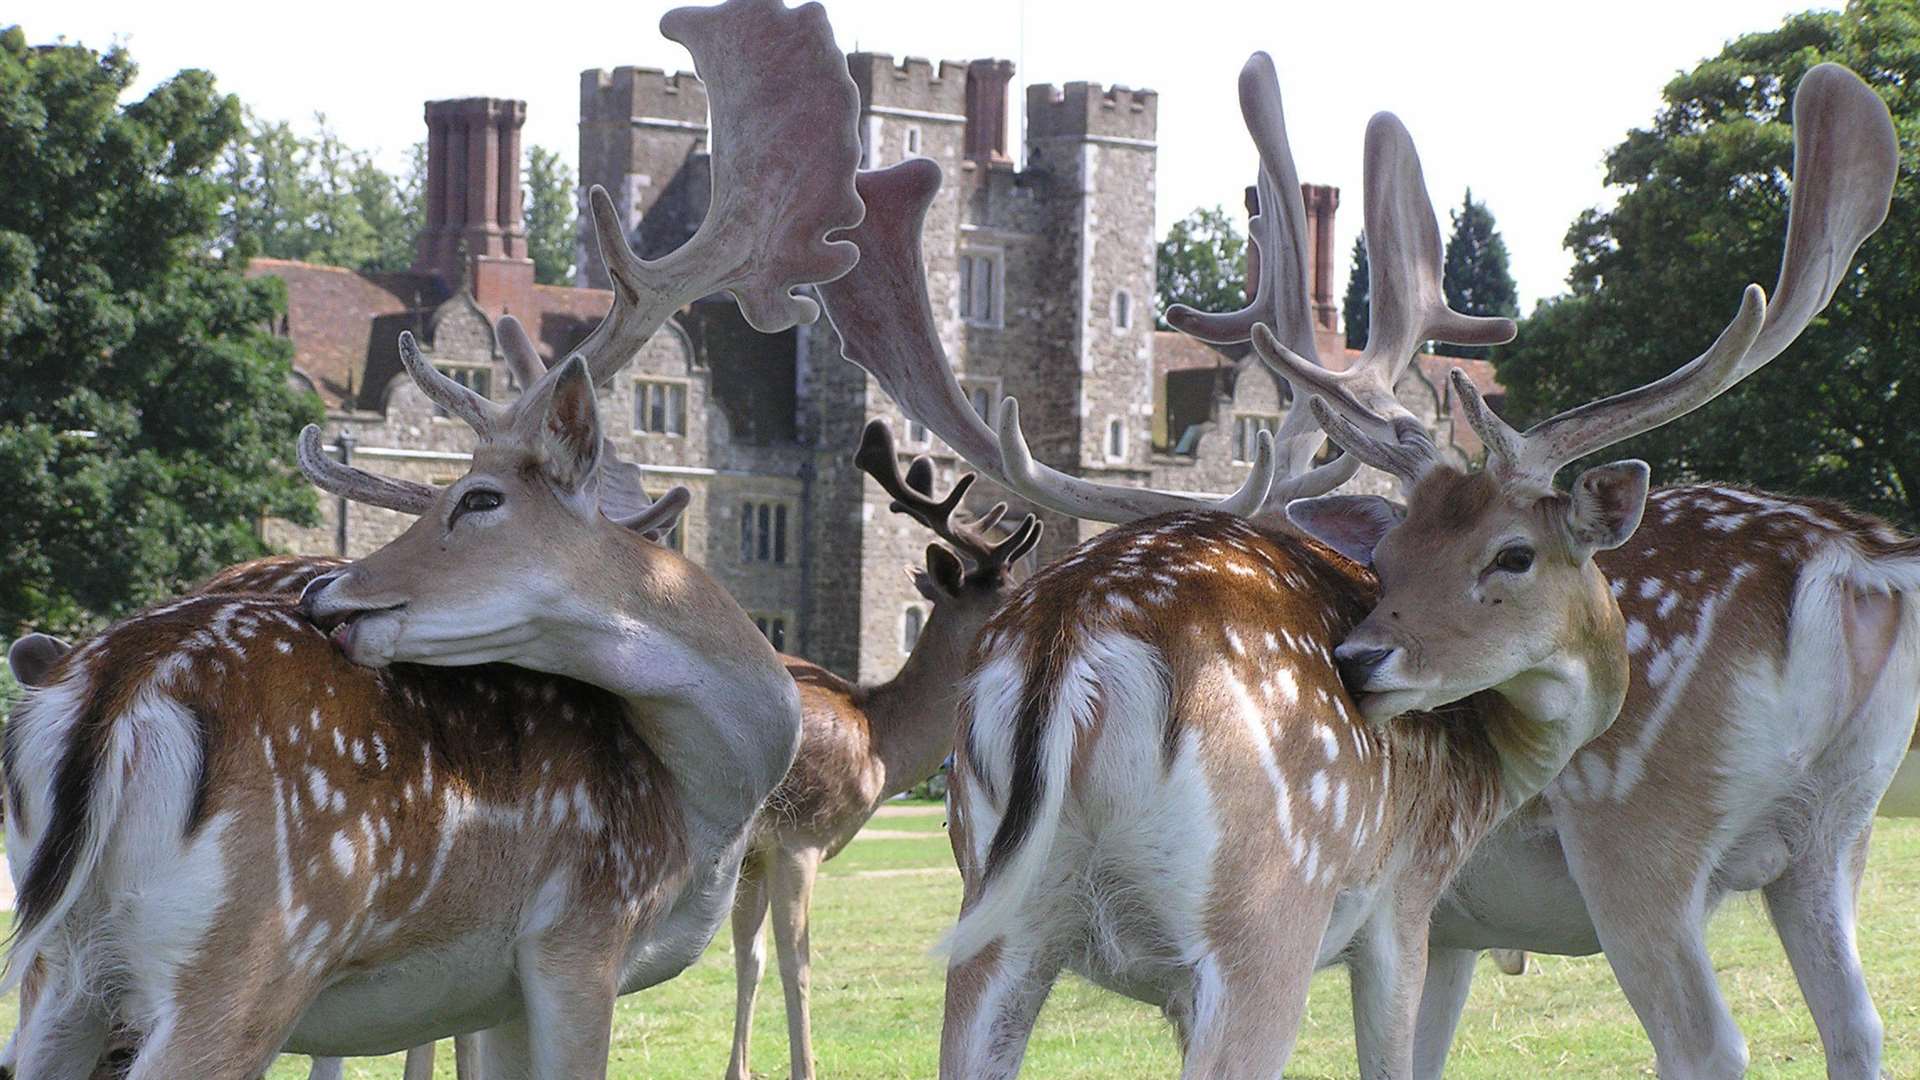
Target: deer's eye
<point>1517,559</point>
<point>474,501</point>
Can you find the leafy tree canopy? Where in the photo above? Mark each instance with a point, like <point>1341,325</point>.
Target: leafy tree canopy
<point>549,216</point>
<point>1702,212</point>
<point>314,199</point>
<point>1475,276</point>
<point>1201,263</point>
<point>146,417</point>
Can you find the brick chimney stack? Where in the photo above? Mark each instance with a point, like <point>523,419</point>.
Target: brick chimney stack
<point>475,236</point>
<point>987,111</point>
<point>1322,200</point>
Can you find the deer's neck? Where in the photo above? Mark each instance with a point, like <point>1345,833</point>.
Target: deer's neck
<point>703,688</point>
<point>1548,712</point>
<point>912,715</point>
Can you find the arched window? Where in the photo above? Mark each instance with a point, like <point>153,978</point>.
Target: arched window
<point>1122,309</point>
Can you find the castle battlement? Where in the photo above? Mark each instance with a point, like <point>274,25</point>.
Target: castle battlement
<point>1082,109</point>
<point>633,92</point>
<point>914,83</point>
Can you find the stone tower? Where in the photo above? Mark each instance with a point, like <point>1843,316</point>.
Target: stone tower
<point>643,137</point>
<point>1096,149</point>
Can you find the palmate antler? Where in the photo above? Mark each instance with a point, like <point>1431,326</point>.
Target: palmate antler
<point>1406,301</point>
<point>912,495</point>
<point>886,326</point>
<point>785,148</point>
<point>1845,161</point>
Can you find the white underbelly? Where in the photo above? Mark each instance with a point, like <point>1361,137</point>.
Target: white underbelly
<point>1903,798</point>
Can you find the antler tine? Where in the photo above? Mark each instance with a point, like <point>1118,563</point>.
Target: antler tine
<point>1406,457</point>
<point>1045,486</point>
<point>518,350</point>
<point>989,519</point>
<point>1017,543</point>
<point>785,148</point>
<point>1278,231</point>
<point>1846,159</point>
<point>338,478</point>
<point>479,413</point>
<point>657,519</point>
<point>1407,304</point>
<point>876,458</point>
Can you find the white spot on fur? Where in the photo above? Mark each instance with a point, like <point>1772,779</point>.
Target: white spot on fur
<point>343,854</point>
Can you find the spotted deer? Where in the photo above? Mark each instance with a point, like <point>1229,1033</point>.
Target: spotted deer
<point>242,824</point>
<point>32,657</point>
<point>1774,643</point>
<point>1193,764</point>
<point>861,745</point>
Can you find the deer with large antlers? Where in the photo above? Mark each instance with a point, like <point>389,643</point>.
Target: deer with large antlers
<point>861,745</point>
<point>1182,769</point>
<point>1774,644</point>
<point>241,825</point>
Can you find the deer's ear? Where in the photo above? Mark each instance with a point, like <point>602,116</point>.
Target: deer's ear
<point>1606,505</point>
<point>943,575</point>
<point>1349,524</point>
<point>569,439</point>
<point>32,658</point>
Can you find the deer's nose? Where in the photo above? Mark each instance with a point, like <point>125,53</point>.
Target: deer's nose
<point>309,597</point>
<point>1358,663</point>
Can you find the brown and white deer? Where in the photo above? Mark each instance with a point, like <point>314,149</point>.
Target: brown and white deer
<point>1775,650</point>
<point>1162,778</point>
<point>861,745</point>
<point>241,826</point>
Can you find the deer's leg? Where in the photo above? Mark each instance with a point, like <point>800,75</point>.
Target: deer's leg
<point>1244,1013</point>
<point>992,1001</point>
<point>790,880</point>
<point>218,1038</point>
<point>1651,920</point>
<point>329,1068</point>
<point>1389,968</point>
<point>569,980</point>
<point>503,1052</point>
<point>419,1063</point>
<point>1812,905</point>
<point>749,957</point>
<point>62,1036</point>
<point>1442,999</point>
<point>466,1057</point>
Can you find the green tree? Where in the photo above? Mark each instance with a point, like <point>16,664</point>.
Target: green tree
<point>549,215</point>
<point>1201,263</point>
<point>1476,278</point>
<point>312,198</point>
<point>1354,310</point>
<point>147,419</point>
<point>1702,212</point>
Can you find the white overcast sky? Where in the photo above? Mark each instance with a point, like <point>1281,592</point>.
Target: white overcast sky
<point>1520,100</point>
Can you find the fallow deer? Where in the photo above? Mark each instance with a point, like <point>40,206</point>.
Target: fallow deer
<point>241,825</point>
<point>861,745</point>
<point>1181,770</point>
<point>1775,648</point>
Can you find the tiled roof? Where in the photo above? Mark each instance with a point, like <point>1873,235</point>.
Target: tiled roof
<point>344,323</point>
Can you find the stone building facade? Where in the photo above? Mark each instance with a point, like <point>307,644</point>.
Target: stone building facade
<point>1041,277</point>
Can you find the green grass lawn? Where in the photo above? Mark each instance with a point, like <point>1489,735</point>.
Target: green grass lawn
<point>877,993</point>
